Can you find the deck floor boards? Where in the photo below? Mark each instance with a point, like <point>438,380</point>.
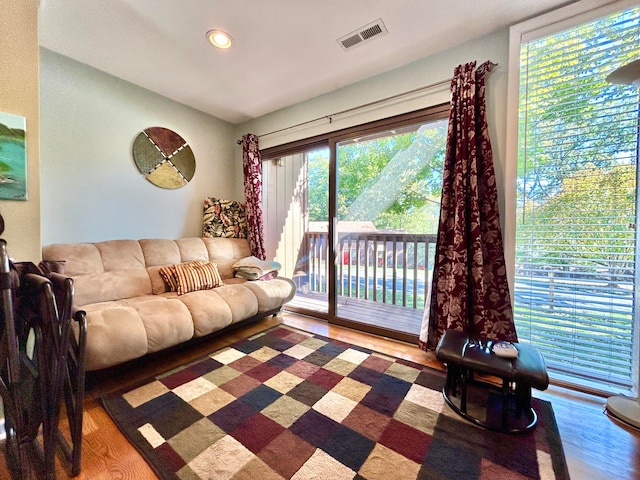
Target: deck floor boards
<point>378,314</point>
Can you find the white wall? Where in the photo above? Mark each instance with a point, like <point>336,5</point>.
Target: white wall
<point>19,96</point>
<point>91,189</point>
<point>424,72</point>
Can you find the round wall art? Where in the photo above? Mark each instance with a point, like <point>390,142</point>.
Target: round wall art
<point>164,157</point>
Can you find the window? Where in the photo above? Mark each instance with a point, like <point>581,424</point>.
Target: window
<point>576,198</point>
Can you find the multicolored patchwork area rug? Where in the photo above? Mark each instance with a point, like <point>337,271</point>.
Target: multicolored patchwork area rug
<point>294,405</point>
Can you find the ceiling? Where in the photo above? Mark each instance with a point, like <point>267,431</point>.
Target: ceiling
<point>283,52</point>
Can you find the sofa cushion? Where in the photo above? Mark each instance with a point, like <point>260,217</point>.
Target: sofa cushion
<point>225,252</point>
<point>79,258</point>
<point>159,252</point>
<point>120,254</point>
<point>107,286</point>
<point>209,312</point>
<point>102,271</point>
<point>272,293</point>
<point>167,321</point>
<point>241,301</point>
<point>115,334</point>
<point>215,309</point>
<point>158,284</point>
<point>123,330</point>
<point>192,249</point>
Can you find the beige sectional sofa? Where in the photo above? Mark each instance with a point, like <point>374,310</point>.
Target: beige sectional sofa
<point>132,312</point>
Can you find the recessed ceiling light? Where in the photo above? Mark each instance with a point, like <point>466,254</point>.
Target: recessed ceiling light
<point>219,39</point>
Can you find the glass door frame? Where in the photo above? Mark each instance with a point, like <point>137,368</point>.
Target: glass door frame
<point>331,140</point>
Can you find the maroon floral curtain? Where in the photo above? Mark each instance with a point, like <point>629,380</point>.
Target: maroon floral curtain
<point>469,291</point>
<point>252,168</point>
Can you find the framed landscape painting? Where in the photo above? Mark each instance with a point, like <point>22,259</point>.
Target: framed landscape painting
<point>13,157</point>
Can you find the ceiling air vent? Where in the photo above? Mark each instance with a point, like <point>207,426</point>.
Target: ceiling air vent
<point>363,34</point>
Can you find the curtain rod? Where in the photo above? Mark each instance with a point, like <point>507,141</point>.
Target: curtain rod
<point>366,105</point>
<point>353,109</point>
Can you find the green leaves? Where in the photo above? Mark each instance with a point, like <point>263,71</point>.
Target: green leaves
<point>390,179</point>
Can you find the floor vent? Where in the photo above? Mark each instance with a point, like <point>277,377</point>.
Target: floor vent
<point>363,34</point>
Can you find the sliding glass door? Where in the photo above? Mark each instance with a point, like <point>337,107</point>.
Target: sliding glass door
<point>387,208</point>
<point>353,222</point>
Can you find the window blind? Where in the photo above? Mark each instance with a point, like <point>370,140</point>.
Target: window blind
<point>576,227</point>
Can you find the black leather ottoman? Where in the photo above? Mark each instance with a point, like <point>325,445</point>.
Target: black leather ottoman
<point>465,356</point>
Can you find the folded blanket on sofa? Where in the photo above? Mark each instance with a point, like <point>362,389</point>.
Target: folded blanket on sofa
<point>252,268</point>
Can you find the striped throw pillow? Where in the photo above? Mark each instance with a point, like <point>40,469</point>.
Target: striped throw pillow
<point>192,276</point>
<point>168,274</point>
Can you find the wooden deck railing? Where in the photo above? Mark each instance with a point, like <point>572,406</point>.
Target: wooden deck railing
<point>382,267</point>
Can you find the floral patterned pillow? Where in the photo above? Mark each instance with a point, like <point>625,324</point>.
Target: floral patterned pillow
<point>224,218</point>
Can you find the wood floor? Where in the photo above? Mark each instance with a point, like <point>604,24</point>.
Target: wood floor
<point>596,446</point>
